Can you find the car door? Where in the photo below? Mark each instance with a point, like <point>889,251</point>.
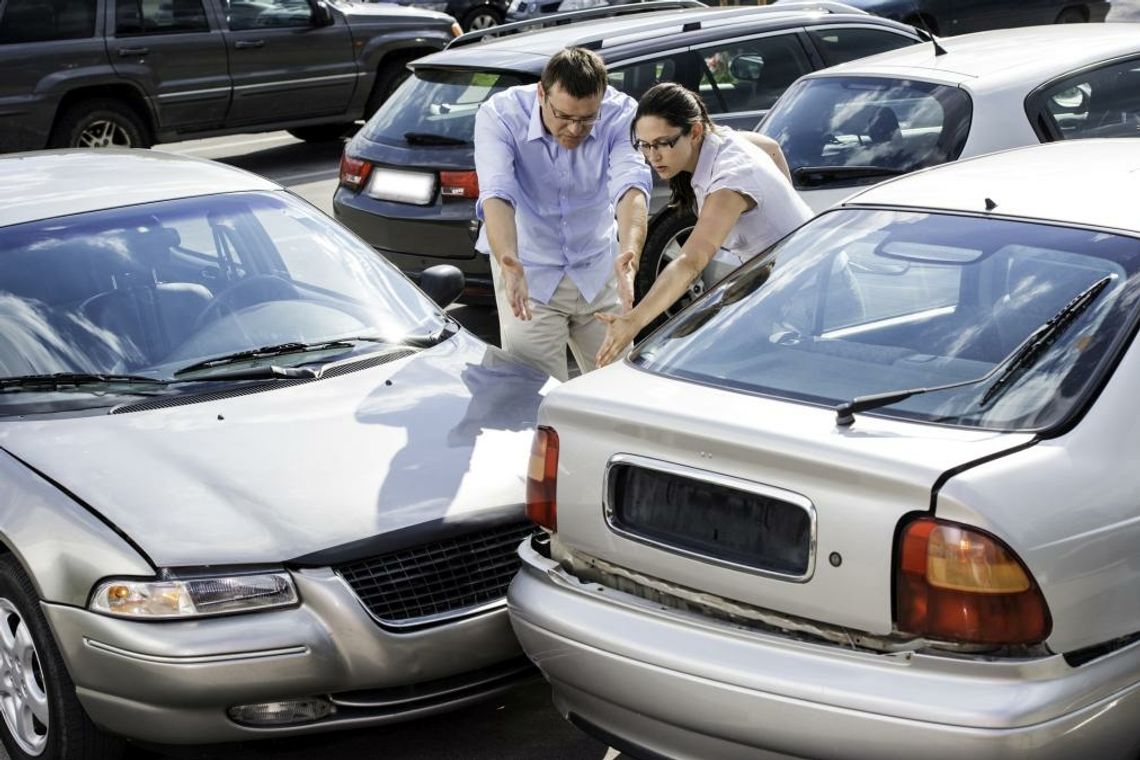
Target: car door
<point>177,56</point>
<point>285,63</point>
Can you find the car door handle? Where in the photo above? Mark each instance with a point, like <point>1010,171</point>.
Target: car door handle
<point>130,52</point>
<point>246,44</point>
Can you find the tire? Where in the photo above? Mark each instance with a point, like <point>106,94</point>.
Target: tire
<point>42,718</point>
<point>100,123</point>
<point>663,243</point>
<point>483,17</point>
<point>1071,15</point>
<point>321,133</point>
<point>388,79</point>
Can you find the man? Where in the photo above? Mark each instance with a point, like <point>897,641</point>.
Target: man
<point>555,165</point>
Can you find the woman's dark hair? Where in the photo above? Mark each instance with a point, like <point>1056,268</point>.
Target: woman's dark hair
<point>682,108</point>
<point>580,72</point>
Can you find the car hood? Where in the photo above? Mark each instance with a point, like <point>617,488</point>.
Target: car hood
<point>438,438</point>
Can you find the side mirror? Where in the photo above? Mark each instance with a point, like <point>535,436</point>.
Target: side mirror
<point>746,67</point>
<point>443,283</point>
<point>322,16</point>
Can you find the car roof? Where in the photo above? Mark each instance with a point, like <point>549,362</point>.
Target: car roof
<point>50,183</point>
<point>1032,54</point>
<point>1092,183</point>
<point>620,36</point>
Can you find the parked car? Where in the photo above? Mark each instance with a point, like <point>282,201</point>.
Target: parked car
<point>946,17</point>
<point>407,179</point>
<point>909,109</point>
<point>472,14</point>
<point>130,74</point>
<point>869,497</point>
<point>527,10</point>
<point>254,483</point>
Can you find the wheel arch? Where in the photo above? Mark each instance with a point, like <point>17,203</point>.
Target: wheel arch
<point>127,94</point>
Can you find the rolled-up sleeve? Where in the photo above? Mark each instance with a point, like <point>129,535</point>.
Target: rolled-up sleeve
<point>627,167</point>
<point>494,158</point>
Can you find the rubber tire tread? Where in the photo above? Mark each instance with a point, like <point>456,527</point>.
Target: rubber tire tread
<point>667,226</point>
<point>68,122</point>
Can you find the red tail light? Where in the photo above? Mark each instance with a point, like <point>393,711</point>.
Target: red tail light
<point>458,185</point>
<point>959,584</point>
<point>542,479</point>
<point>354,171</point>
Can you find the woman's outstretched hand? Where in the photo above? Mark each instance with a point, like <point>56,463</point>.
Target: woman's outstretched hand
<point>620,332</point>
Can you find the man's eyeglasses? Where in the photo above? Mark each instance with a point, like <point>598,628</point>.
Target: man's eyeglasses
<point>662,144</point>
<point>583,121</point>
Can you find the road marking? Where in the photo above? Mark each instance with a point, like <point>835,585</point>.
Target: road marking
<point>323,174</point>
<point>611,754</point>
<point>235,143</point>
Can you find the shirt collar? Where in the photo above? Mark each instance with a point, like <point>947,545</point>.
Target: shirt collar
<point>710,146</point>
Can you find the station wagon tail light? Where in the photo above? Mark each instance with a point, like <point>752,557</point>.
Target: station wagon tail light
<point>542,479</point>
<point>453,185</point>
<point>354,171</point>
<point>167,599</point>
<point>960,584</point>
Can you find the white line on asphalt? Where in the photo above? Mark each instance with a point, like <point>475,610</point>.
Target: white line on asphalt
<point>236,143</point>
<point>611,754</point>
<point>323,174</point>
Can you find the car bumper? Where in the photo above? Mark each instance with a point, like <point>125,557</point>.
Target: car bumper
<point>661,682</point>
<point>172,682</point>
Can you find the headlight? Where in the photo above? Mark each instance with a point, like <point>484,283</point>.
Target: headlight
<point>193,597</point>
<point>577,5</point>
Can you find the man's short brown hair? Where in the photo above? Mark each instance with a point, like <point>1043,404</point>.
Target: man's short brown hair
<point>580,72</point>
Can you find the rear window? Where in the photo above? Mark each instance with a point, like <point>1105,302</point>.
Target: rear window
<point>437,106</point>
<point>44,20</point>
<point>857,130</point>
<point>1014,321</point>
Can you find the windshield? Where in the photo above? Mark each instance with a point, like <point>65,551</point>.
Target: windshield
<point>863,302</point>
<point>146,290</point>
<point>434,105</point>
<point>857,130</point>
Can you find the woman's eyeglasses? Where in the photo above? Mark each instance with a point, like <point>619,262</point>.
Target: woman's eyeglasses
<point>658,145</point>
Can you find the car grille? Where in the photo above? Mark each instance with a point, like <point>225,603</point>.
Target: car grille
<point>437,581</point>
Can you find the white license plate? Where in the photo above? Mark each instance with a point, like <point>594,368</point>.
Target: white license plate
<point>401,186</point>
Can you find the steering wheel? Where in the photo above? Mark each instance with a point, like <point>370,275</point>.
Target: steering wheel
<point>244,293</point>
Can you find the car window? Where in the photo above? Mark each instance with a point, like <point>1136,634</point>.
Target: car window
<point>437,105</point>
<point>636,78</point>
<point>861,302</point>
<point>751,75</point>
<point>841,44</point>
<point>853,130</point>
<point>44,20</point>
<point>261,14</point>
<point>1104,102</point>
<point>159,17</point>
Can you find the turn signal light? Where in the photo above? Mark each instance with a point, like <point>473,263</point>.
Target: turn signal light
<point>454,185</point>
<point>354,171</point>
<point>542,479</point>
<point>960,584</point>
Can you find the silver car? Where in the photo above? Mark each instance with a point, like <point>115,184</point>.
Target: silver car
<point>871,497</point>
<point>252,481</point>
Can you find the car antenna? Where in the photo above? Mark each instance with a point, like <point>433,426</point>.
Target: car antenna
<point>938,49</point>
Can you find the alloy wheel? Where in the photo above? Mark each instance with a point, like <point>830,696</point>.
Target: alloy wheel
<point>23,698</point>
<point>103,133</point>
<point>673,250</point>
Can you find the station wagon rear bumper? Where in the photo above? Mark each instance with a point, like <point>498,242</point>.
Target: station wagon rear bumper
<point>674,684</point>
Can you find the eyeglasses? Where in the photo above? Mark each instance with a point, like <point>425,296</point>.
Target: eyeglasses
<point>583,121</point>
<point>658,145</point>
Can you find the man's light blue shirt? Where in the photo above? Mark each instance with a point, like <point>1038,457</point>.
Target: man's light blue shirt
<point>564,200</point>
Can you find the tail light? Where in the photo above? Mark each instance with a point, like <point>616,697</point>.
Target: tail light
<point>458,185</point>
<point>542,479</point>
<point>354,171</point>
<point>959,584</point>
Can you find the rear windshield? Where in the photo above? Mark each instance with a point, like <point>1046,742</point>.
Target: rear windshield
<point>863,302</point>
<point>437,106</point>
<point>857,130</point>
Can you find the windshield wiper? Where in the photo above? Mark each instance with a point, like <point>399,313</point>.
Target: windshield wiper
<point>450,327</point>
<point>293,347</point>
<point>811,176</point>
<point>428,138</point>
<point>58,380</point>
<point>1011,367</point>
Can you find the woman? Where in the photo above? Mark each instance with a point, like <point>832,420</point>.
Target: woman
<point>737,182</point>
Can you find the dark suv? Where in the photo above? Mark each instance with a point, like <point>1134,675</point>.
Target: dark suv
<point>96,73</point>
<point>407,181</point>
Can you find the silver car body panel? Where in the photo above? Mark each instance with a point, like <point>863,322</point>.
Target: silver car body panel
<point>239,480</point>
<point>691,688</point>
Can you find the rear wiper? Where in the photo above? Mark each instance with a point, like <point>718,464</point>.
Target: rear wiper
<point>1011,367</point>
<point>428,138</point>
<point>58,380</point>
<point>812,176</point>
<point>294,347</point>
